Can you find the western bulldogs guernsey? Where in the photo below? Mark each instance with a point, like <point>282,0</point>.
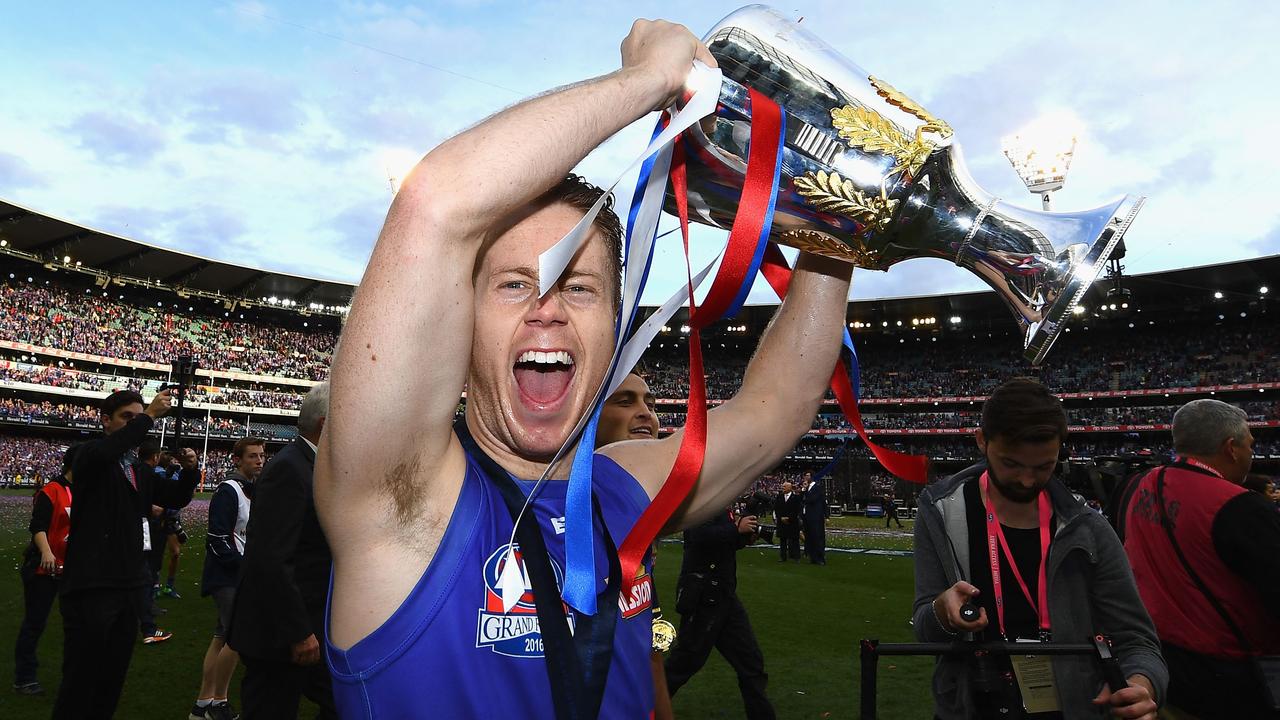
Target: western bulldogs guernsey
<point>450,652</point>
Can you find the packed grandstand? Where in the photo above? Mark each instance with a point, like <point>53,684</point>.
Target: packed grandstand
<point>83,314</point>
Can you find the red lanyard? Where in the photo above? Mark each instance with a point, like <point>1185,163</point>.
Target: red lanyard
<point>1196,463</point>
<point>995,535</point>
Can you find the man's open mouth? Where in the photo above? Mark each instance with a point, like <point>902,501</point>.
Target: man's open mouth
<point>544,376</point>
<point>642,431</point>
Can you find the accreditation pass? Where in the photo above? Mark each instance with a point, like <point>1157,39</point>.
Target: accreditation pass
<point>1035,681</point>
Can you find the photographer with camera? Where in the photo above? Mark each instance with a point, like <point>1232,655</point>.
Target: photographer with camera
<point>1206,556</point>
<point>712,616</point>
<point>41,565</point>
<point>104,566</point>
<point>999,545</point>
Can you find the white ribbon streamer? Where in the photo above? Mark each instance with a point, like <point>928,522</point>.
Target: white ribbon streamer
<point>705,83</point>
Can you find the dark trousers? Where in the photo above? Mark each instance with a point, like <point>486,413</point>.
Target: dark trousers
<point>892,515</point>
<point>99,628</point>
<point>1210,688</point>
<point>725,627</point>
<point>144,607</point>
<point>38,592</point>
<point>789,540</point>
<point>815,539</point>
<point>271,689</point>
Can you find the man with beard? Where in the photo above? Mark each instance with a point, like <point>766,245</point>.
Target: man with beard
<point>1007,536</point>
<point>419,512</point>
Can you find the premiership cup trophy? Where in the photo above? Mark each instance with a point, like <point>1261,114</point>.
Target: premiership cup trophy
<point>871,177</point>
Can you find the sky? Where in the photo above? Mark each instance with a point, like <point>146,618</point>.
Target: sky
<point>266,132</point>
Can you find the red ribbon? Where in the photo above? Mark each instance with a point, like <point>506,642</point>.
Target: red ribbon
<point>744,237</point>
<point>913,468</point>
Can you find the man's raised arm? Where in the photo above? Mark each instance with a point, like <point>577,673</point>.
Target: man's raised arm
<point>780,394</point>
<point>403,357</point>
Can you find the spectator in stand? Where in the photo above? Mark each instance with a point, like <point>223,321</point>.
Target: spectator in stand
<point>104,567</point>
<point>278,612</point>
<point>224,549</point>
<point>41,567</point>
<point>1206,555</point>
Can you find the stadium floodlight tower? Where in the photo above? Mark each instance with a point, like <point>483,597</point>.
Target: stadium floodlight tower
<point>1041,154</point>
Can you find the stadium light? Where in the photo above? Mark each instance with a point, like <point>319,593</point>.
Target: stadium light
<point>955,319</point>
<point>66,259</point>
<point>1217,295</point>
<point>1041,153</point>
<point>1264,290</point>
<point>4,243</point>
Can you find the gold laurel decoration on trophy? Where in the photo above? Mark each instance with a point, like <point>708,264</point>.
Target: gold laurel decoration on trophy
<point>831,193</point>
<point>866,129</point>
<point>820,243</point>
<point>898,99</point>
<point>664,633</point>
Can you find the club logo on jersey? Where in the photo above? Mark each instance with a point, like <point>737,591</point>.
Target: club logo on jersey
<point>637,596</point>
<point>514,634</point>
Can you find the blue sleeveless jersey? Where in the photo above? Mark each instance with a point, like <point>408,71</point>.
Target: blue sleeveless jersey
<point>449,651</point>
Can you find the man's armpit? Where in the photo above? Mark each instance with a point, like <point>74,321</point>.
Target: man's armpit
<point>405,488</point>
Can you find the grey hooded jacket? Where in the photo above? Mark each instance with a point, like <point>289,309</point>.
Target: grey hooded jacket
<point>1090,590</point>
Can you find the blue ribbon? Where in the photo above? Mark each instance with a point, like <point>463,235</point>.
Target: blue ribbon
<point>580,589</point>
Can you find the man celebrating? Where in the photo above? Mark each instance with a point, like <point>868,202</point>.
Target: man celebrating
<point>787,508</point>
<point>1206,555</point>
<point>224,549</point>
<point>1007,536</point>
<point>420,519</point>
<point>104,570</point>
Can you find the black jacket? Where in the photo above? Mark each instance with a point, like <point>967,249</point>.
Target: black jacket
<point>285,579</point>
<point>785,507</point>
<point>710,551</point>
<point>815,502</point>
<point>105,547</point>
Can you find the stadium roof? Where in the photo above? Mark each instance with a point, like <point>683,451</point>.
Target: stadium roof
<point>51,239</point>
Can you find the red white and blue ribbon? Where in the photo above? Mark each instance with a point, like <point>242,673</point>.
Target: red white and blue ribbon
<point>747,252</point>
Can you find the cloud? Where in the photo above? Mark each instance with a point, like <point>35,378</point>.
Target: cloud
<point>16,173</point>
<point>1268,244</point>
<point>117,139</point>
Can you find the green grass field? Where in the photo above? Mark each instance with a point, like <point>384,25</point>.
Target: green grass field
<point>808,620</point>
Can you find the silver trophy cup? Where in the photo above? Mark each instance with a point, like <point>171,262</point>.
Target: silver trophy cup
<point>869,176</point>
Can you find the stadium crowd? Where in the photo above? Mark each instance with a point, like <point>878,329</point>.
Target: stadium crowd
<point>54,317</point>
<point>1147,357</point>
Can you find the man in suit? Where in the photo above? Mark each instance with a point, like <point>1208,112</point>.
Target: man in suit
<point>786,514</point>
<point>104,568</point>
<point>278,614</point>
<point>815,519</point>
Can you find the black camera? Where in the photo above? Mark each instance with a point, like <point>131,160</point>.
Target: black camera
<point>995,687</point>
<point>174,527</point>
<point>765,533</point>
